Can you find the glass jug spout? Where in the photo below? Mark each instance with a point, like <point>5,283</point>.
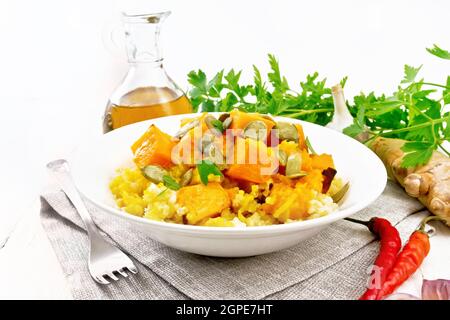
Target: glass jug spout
<point>142,36</point>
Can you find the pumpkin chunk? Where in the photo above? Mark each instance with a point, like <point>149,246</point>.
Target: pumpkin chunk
<point>247,172</point>
<point>154,147</point>
<point>203,201</point>
<point>286,202</point>
<point>322,161</point>
<point>253,161</point>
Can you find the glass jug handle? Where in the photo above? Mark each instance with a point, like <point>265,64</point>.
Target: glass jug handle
<point>113,40</point>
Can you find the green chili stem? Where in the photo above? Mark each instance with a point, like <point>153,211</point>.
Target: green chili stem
<point>428,219</point>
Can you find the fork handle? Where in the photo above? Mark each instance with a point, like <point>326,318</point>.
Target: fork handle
<point>65,181</point>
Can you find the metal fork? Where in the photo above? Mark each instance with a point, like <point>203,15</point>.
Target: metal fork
<point>105,260</point>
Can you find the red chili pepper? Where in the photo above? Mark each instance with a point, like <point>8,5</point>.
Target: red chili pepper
<point>408,261</point>
<point>390,245</point>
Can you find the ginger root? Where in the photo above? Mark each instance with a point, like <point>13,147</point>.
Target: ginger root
<point>429,183</point>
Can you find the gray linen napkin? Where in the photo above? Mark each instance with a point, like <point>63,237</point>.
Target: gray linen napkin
<point>332,264</point>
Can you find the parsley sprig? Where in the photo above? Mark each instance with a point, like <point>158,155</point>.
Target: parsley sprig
<point>312,102</point>
<point>416,112</point>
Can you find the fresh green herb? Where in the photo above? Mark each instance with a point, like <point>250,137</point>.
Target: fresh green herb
<point>205,168</point>
<point>313,101</point>
<point>416,152</point>
<point>170,183</point>
<point>446,93</point>
<point>438,52</point>
<point>310,148</point>
<point>410,74</point>
<point>353,130</point>
<point>217,124</point>
<point>415,113</point>
<point>358,125</point>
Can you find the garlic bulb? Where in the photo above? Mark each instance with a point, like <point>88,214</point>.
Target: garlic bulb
<point>342,117</point>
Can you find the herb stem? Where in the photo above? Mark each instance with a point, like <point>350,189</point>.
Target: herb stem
<point>372,138</point>
<point>412,106</point>
<point>435,84</point>
<point>417,126</point>
<point>305,112</point>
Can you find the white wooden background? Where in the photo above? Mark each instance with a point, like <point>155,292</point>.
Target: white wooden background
<point>57,69</point>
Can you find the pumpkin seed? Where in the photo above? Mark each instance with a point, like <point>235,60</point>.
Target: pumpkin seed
<point>186,177</point>
<point>227,123</point>
<point>154,173</point>
<point>209,121</point>
<point>282,157</point>
<point>293,166</point>
<point>267,117</point>
<point>298,175</point>
<point>185,129</point>
<point>341,193</point>
<point>256,130</point>
<point>286,131</point>
<point>214,154</point>
<point>206,140</point>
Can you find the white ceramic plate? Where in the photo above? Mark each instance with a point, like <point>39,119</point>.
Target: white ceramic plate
<point>94,165</point>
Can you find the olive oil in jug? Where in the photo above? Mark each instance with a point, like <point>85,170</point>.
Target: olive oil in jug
<point>142,104</point>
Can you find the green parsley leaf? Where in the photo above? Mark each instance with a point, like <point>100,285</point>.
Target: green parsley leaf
<point>260,89</point>
<point>447,126</point>
<point>382,107</point>
<point>279,83</point>
<point>215,85</point>
<point>438,52</point>
<point>353,130</point>
<point>208,106</point>
<point>360,116</point>
<point>217,124</point>
<point>233,80</point>
<point>343,81</point>
<point>170,183</point>
<point>410,74</point>
<point>358,126</point>
<point>198,80</point>
<point>417,153</point>
<point>205,168</point>
<point>446,92</point>
<point>228,102</point>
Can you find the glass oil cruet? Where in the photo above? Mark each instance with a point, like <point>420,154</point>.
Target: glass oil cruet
<point>146,91</point>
